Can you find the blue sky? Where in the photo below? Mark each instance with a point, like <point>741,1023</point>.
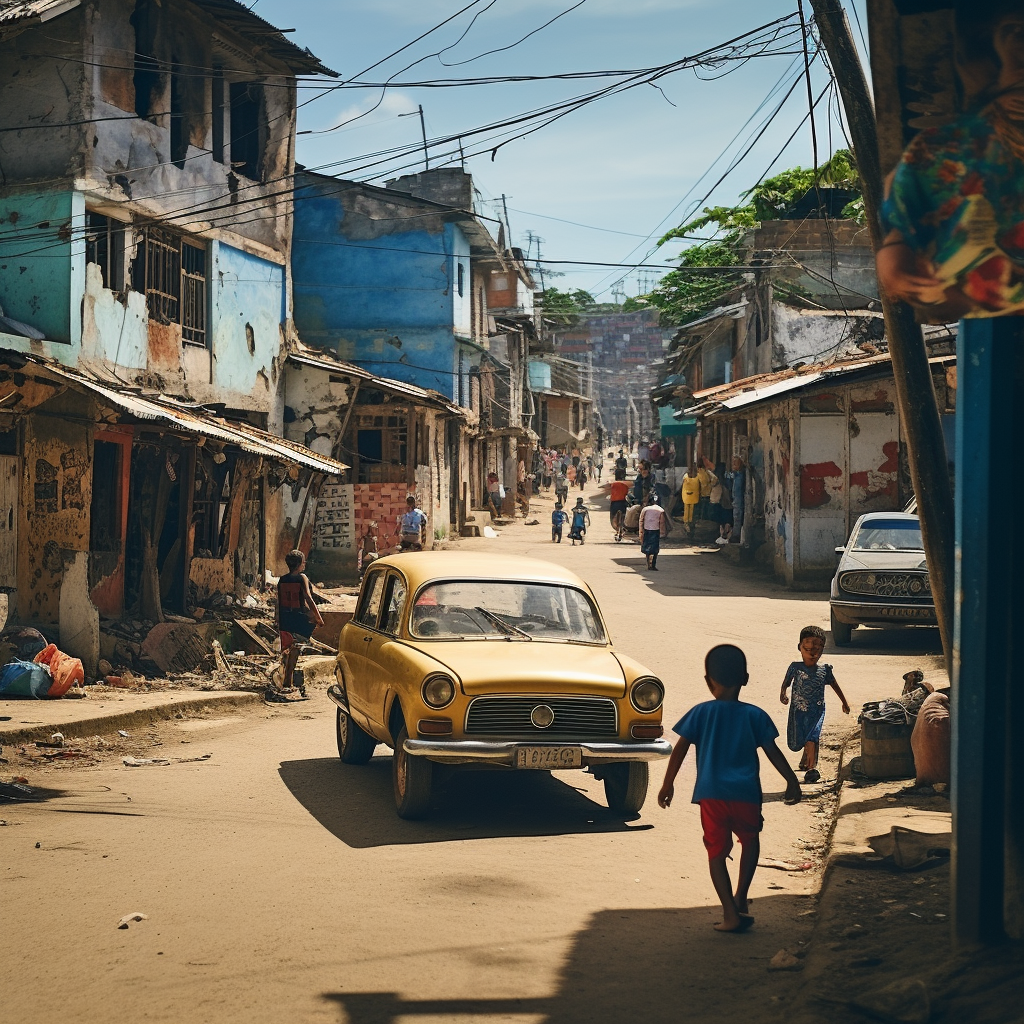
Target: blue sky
<point>622,164</point>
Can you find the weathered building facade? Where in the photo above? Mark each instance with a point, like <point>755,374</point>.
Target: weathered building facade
<point>822,445</point>
<point>144,286</point>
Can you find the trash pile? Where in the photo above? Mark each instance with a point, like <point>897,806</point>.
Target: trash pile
<point>231,643</point>
<point>908,736</point>
<point>34,668</point>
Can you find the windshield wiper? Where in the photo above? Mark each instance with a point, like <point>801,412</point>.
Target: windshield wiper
<point>507,627</point>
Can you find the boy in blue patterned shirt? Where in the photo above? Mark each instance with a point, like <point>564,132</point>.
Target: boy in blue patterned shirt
<point>807,710</point>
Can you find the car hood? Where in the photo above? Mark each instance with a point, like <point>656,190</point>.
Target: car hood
<point>883,560</point>
<point>529,666</point>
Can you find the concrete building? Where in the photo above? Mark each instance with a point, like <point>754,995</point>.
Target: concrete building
<point>406,281</point>
<point>144,285</point>
<point>822,445</point>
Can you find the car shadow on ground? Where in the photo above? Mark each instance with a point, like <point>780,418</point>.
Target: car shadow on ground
<point>355,803</point>
<point>658,965</point>
<point>919,641</point>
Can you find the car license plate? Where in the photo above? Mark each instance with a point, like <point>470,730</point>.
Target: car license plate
<point>549,757</point>
<point>907,613</point>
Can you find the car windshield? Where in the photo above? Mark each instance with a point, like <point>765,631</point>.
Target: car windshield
<point>506,609</point>
<point>889,535</point>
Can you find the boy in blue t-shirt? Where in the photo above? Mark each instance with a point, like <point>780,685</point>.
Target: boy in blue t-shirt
<point>558,520</point>
<point>727,734</point>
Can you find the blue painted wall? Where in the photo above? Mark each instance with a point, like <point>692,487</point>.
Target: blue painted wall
<point>380,292</point>
<point>42,266</point>
<point>244,290</point>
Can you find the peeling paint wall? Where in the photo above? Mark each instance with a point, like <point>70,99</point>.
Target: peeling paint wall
<point>55,502</point>
<point>809,336</point>
<point>376,280</point>
<point>248,316</point>
<point>42,267</point>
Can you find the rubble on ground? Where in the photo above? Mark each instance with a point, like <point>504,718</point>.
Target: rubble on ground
<point>228,642</point>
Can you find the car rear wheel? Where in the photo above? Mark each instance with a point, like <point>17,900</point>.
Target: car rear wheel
<point>354,745</point>
<point>841,632</point>
<point>413,778</point>
<point>625,786</point>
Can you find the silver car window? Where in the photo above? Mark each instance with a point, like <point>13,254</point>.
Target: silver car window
<point>889,535</point>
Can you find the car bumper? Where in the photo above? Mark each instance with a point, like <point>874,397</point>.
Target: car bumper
<point>860,613</point>
<point>503,752</point>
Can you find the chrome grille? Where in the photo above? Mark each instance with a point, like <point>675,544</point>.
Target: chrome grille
<point>887,584</point>
<point>577,718</point>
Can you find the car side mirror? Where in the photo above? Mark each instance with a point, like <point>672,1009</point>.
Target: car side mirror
<point>840,551</point>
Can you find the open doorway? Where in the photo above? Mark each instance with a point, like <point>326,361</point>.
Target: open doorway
<point>154,551</point>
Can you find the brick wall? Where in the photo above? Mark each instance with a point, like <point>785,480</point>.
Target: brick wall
<point>383,504</point>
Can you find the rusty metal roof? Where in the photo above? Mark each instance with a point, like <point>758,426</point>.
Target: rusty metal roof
<point>765,386</point>
<point>12,11</point>
<point>194,419</point>
<point>421,396</point>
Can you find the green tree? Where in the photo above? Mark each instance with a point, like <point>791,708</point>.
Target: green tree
<point>685,294</point>
<point>566,308</point>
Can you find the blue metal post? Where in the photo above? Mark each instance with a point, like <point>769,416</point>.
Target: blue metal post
<point>986,702</point>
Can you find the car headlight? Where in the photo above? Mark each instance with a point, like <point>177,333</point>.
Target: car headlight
<point>647,694</point>
<point>438,691</point>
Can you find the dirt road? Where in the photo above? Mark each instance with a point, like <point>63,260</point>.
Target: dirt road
<point>280,886</point>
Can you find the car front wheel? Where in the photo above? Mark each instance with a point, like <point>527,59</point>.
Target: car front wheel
<point>354,745</point>
<point>412,778</point>
<point>841,632</point>
<point>625,786</point>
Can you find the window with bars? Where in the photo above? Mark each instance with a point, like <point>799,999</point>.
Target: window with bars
<point>172,273</point>
<point>104,246</point>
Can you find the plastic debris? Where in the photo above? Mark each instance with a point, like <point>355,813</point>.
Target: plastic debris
<point>129,918</point>
<point>489,532</point>
<point>122,734</point>
<point>784,961</point>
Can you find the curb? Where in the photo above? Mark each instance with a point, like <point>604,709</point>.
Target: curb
<point>123,720</point>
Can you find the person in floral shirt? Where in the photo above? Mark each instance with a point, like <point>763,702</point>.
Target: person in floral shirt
<point>954,213</point>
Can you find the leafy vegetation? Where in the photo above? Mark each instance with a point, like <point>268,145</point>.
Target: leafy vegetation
<point>566,308</point>
<point>684,295</point>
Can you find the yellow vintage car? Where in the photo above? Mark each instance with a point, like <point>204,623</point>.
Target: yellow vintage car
<point>491,661</point>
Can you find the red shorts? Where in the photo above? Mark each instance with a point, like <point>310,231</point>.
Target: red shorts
<point>721,818</point>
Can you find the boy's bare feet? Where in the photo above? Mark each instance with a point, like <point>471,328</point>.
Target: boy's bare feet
<point>744,922</point>
<point>742,905</point>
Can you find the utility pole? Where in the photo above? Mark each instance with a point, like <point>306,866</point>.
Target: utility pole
<point>423,130</point>
<point>915,392</point>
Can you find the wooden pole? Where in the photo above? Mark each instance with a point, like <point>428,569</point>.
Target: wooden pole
<point>915,392</point>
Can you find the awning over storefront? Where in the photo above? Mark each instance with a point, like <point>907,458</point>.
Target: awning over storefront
<point>672,427</point>
<point>193,419</point>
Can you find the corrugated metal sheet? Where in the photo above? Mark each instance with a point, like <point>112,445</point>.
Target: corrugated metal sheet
<point>195,420</point>
<point>12,11</point>
<point>418,395</point>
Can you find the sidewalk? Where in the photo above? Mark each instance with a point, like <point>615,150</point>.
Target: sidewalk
<point>24,721</point>
<point>881,944</point>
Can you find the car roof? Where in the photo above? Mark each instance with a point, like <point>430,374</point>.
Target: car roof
<point>423,566</point>
<point>868,516</point>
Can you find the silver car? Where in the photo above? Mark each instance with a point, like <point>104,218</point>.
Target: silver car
<point>882,579</point>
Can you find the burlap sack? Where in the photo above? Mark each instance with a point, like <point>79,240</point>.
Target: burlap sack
<point>930,741</point>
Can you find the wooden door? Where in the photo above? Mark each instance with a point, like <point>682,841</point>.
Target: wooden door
<point>8,521</point>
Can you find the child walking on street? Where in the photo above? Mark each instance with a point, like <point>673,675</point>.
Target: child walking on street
<point>727,734</point>
<point>807,709</point>
<point>580,522</point>
<point>558,520</point>
<point>297,613</point>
